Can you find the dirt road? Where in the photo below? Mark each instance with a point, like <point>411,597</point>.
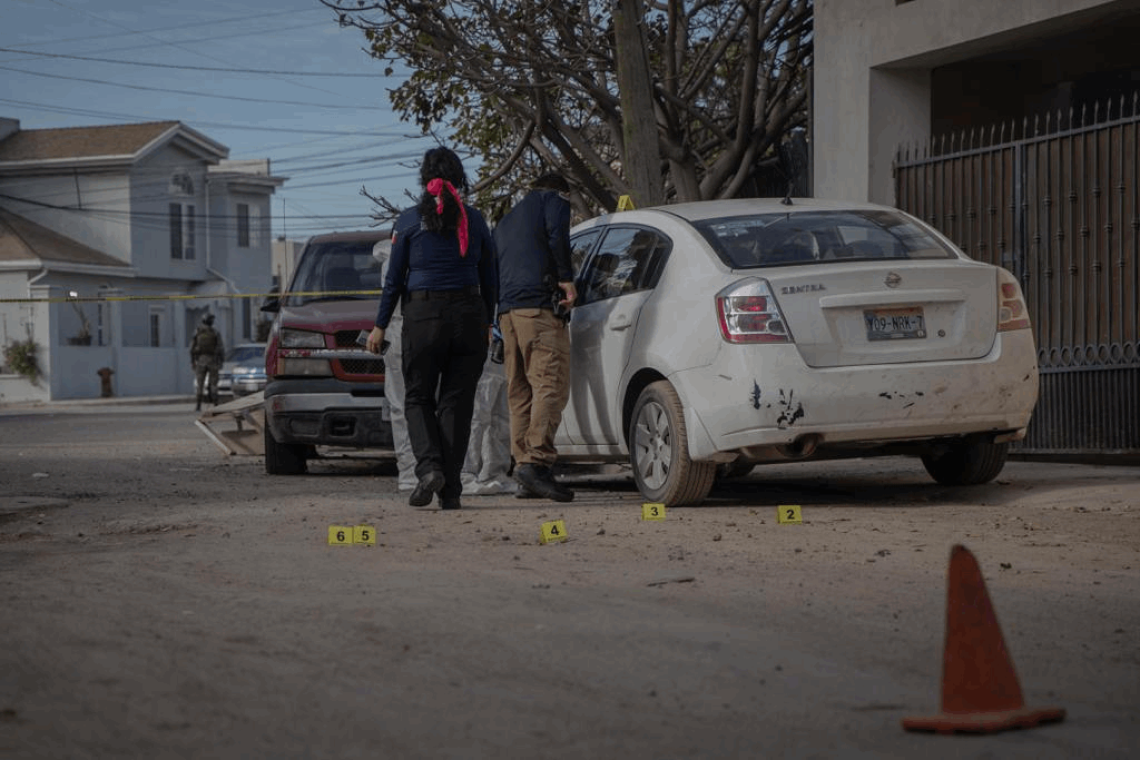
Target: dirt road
<point>161,600</point>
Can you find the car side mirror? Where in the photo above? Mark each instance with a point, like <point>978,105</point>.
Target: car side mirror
<point>272,304</point>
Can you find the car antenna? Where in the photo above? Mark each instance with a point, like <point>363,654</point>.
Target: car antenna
<point>787,201</point>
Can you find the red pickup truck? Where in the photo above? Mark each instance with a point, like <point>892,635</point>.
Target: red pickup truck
<point>323,388</point>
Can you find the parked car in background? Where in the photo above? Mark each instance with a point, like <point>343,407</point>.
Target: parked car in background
<point>710,337</point>
<point>324,388</point>
<point>243,372</point>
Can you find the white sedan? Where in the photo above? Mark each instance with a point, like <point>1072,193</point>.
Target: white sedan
<point>710,337</point>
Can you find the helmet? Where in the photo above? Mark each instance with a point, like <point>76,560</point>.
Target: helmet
<point>208,319</point>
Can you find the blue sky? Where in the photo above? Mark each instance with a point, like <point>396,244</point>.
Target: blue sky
<point>298,89</point>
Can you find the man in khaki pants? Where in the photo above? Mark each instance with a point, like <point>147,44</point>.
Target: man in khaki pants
<point>536,291</point>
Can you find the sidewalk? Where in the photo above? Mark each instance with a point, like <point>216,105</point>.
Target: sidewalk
<point>42,406</point>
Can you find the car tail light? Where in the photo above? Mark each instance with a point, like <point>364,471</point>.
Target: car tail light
<point>1012,312</point>
<point>748,313</point>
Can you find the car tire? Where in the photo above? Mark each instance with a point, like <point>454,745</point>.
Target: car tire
<point>283,458</point>
<point>659,450</point>
<point>966,463</point>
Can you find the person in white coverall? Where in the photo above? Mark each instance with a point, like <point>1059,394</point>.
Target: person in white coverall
<point>406,478</point>
<point>487,466</point>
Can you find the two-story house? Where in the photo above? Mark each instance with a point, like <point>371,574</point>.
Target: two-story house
<point>114,242</point>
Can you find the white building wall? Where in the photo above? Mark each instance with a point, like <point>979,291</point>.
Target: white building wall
<point>151,196</point>
<point>872,67</point>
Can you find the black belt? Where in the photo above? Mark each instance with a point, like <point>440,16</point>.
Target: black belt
<point>429,295</point>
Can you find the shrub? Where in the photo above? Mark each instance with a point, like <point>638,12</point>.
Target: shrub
<point>20,356</point>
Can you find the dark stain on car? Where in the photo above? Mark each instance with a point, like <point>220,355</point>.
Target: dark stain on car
<point>792,410</point>
<point>755,395</point>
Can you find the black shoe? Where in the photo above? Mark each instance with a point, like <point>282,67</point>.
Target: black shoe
<point>449,502</point>
<point>426,489</point>
<point>526,493</point>
<point>536,478</point>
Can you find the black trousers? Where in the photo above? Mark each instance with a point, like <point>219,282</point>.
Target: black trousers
<point>444,344</point>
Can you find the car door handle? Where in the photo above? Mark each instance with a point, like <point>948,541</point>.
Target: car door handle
<point>620,322</point>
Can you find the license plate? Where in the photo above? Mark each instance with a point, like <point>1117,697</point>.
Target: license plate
<point>895,324</point>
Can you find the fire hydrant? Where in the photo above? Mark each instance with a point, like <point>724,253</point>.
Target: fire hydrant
<point>105,376</point>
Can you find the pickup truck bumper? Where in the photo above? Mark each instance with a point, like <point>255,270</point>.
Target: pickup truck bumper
<point>328,412</point>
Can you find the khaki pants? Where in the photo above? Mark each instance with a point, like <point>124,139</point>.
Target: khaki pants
<point>536,348</point>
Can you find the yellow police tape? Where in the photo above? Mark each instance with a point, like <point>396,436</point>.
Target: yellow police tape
<point>183,297</point>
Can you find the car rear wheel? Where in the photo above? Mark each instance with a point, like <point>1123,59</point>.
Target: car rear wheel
<point>659,450</point>
<point>283,458</point>
<point>969,462</point>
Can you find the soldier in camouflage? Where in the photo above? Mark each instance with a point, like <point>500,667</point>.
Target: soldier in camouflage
<point>206,354</point>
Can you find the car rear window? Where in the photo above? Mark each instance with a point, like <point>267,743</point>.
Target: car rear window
<point>336,271</point>
<point>807,237</point>
<point>246,353</point>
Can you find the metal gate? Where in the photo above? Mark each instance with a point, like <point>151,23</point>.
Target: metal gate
<point>1055,201</point>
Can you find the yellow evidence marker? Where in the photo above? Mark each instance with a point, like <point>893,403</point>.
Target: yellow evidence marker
<point>553,532</point>
<point>625,203</point>
<point>340,535</point>
<point>364,534</point>
<point>789,514</point>
<point>651,511</point>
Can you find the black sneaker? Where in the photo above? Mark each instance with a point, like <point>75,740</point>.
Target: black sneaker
<point>450,502</point>
<point>426,489</point>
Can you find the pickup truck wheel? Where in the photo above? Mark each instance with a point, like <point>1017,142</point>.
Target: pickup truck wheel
<point>659,450</point>
<point>283,458</point>
<point>966,462</point>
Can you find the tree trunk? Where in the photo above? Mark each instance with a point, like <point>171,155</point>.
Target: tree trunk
<point>640,154</point>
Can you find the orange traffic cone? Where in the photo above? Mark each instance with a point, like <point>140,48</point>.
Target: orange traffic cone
<point>980,691</point>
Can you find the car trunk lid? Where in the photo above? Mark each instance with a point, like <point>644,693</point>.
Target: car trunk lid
<point>883,313</point>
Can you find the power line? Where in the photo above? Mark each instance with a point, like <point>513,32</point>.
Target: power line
<point>219,125</point>
<point>215,23</point>
<point>270,72</point>
<point>190,92</point>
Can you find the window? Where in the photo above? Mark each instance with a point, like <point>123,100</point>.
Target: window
<point>175,230</point>
<point>156,327</point>
<point>102,325</point>
<point>337,266</point>
<point>254,227</point>
<point>188,232</point>
<point>629,259</point>
<point>182,219</point>
<point>243,225</point>
<point>580,246</point>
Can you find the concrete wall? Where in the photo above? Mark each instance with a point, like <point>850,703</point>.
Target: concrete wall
<point>873,58</point>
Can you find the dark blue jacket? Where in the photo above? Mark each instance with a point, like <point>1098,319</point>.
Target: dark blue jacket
<point>423,260</point>
<point>533,241</point>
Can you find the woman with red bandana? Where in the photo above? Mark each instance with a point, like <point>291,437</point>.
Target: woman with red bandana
<point>442,266</point>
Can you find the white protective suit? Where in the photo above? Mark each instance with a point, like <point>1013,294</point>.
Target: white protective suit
<point>489,450</point>
<point>406,478</point>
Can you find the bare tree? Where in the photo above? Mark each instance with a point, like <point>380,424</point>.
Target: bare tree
<point>532,85</point>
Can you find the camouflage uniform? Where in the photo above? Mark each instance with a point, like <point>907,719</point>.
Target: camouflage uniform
<point>207,354</point>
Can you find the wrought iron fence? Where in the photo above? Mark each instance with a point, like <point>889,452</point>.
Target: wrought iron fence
<point>1054,200</point>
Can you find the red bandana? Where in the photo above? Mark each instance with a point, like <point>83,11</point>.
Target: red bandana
<point>436,187</point>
